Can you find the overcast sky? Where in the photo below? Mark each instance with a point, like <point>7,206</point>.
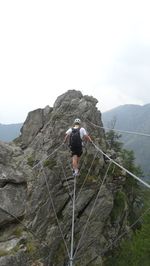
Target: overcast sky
<point>101,47</point>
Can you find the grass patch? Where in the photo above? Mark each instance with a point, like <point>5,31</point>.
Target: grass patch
<point>50,163</point>
<point>30,161</point>
<point>3,252</point>
<point>18,232</point>
<point>31,247</point>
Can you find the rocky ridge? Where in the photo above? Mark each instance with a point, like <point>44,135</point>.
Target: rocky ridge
<point>29,233</point>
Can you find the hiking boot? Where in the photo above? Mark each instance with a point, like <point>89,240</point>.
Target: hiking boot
<point>76,172</point>
<point>73,171</point>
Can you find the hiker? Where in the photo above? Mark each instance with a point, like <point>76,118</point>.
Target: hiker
<point>76,135</point>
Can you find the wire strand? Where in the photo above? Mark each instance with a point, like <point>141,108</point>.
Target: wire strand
<point>73,223</point>
<point>125,232</point>
<point>41,161</point>
<point>86,175</point>
<point>121,131</point>
<point>92,209</point>
<point>68,187</point>
<point>120,166</point>
<point>56,217</point>
<point>25,226</point>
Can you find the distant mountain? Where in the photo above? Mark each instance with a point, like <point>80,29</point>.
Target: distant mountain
<point>10,131</point>
<point>133,118</point>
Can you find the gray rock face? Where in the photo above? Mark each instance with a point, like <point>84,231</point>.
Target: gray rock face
<point>35,194</point>
<point>64,99</point>
<point>12,260</point>
<point>10,175</point>
<point>12,199</point>
<point>5,153</point>
<point>33,124</point>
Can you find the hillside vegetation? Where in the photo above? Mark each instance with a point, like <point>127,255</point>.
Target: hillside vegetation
<point>133,118</point>
<point>133,248</point>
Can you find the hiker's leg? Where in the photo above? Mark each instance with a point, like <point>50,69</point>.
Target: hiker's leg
<point>78,159</point>
<point>75,162</point>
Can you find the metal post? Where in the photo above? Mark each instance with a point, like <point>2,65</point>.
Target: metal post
<point>73,216</point>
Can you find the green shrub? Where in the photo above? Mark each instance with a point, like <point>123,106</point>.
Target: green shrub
<point>136,250</point>
<point>119,206</point>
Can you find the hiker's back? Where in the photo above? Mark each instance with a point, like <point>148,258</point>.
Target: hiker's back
<point>75,139</point>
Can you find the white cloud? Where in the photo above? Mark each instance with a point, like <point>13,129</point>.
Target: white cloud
<point>49,47</point>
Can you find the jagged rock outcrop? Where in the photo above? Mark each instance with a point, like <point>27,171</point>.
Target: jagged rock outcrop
<point>33,124</point>
<point>12,184</point>
<point>30,192</point>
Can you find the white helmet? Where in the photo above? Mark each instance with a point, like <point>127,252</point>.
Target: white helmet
<point>77,121</point>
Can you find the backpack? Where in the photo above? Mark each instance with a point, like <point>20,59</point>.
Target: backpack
<point>75,139</point>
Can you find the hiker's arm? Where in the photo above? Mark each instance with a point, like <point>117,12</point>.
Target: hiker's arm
<point>68,132</point>
<point>66,137</point>
<point>87,138</point>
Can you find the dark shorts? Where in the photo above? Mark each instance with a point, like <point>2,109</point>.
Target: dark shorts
<point>77,152</point>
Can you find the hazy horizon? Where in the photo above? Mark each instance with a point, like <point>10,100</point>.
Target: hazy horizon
<point>21,122</point>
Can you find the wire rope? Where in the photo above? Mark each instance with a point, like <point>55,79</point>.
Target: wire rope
<point>120,166</point>
<point>25,226</point>
<point>53,206</point>
<point>73,223</point>
<point>125,232</point>
<point>47,157</point>
<point>92,209</point>
<point>68,187</point>
<point>89,170</point>
<point>121,131</point>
